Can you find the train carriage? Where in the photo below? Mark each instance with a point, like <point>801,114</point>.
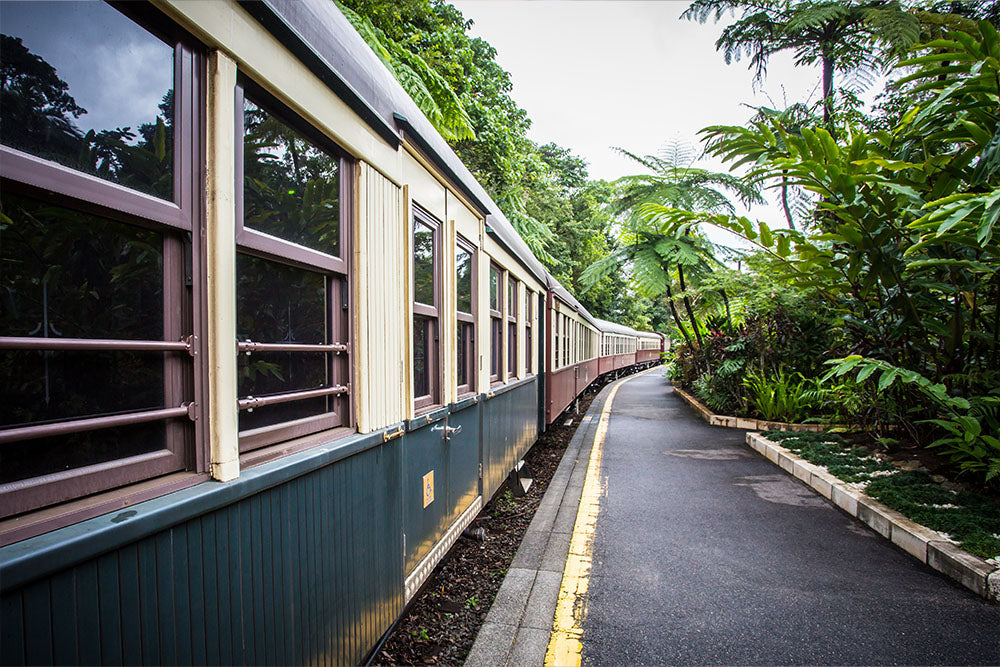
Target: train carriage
<point>308,347</point>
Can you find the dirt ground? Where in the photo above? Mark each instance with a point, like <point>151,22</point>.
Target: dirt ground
<point>441,623</point>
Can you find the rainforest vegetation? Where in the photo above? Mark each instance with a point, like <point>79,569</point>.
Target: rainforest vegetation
<point>873,301</point>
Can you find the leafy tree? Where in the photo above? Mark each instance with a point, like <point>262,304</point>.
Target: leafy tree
<point>841,35</point>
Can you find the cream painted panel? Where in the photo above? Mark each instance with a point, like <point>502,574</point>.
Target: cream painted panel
<point>425,190</point>
<point>220,229</point>
<point>223,24</point>
<point>380,307</point>
<point>507,261</point>
<point>485,335</point>
<point>467,223</point>
<point>447,320</point>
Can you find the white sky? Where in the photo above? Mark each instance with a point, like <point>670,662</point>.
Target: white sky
<point>593,75</point>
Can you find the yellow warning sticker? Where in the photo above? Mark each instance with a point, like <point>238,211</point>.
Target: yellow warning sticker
<point>428,488</point>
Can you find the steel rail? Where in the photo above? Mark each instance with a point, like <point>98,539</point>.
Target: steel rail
<point>92,424</point>
<point>35,343</point>
<point>249,346</point>
<point>251,402</point>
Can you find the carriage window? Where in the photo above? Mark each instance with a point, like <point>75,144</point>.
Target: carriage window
<point>496,323</point>
<point>98,312</point>
<point>291,185</point>
<point>529,353</point>
<point>106,112</point>
<point>290,283</point>
<point>512,286</point>
<point>426,317</point>
<point>465,315</point>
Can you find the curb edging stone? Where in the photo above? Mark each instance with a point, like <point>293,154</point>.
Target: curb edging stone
<point>926,545</point>
<point>747,424</point>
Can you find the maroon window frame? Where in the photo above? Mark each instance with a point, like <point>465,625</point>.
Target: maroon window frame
<point>528,352</point>
<point>511,327</point>
<point>555,356</point>
<point>466,327</point>
<point>179,222</point>
<point>566,339</point>
<point>496,322</point>
<point>334,269</point>
<point>427,318</point>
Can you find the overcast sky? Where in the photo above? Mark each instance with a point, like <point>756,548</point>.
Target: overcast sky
<point>593,75</point>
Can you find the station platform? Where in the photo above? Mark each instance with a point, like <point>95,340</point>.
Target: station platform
<point>662,540</point>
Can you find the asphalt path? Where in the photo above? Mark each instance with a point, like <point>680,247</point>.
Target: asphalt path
<point>708,554</point>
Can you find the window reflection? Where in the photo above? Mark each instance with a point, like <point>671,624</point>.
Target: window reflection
<point>291,187</point>
<point>423,263</point>
<point>421,377</point>
<point>494,289</point>
<point>463,278</point>
<point>84,86</point>
<point>277,303</point>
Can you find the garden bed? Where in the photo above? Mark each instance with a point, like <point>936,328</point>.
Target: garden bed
<point>748,423</point>
<point>954,530</point>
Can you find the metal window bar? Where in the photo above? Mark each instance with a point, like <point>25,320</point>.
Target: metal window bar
<point>33,343</point>
<point>249,346</point>
<point>94,423</point>
<point>251,402</point>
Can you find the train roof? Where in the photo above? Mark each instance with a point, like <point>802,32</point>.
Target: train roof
<point>325,41</point>
<point>615,328</point>
<point>564,295</point>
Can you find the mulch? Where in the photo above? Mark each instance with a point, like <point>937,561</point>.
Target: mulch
<point>441,623</point>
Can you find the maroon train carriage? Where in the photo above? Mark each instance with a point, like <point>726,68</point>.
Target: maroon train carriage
<point>618,346</point>
<point>571,354</point>
<point>649,348</point>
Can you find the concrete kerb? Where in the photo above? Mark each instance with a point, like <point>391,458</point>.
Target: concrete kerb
<point>512,632</point>
<point>922,543</point>
<point>747,424</point>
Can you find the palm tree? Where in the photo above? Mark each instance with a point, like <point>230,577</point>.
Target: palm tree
<point>845,35</point>
<point>658,251</point>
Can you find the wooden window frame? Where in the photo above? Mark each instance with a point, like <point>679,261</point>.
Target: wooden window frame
<point>334,268</point>
<point>179,222</point>
<point>496,326</point>
<point>467,321</point>
<point>528,352</point>
<point>432,313</point>
<point>511,319</point>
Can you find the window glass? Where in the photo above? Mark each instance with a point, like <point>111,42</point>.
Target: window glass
<point>423,263</point>
<point>291,187</point>
<point>463,279</point>
<point>421,375</point>
<point>494,288</point>
<point>71,275</point>
<point>277,303</point>
<point>512,298</point>
<point>86,87</point>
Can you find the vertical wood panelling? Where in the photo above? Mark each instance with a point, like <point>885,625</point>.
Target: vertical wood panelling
<point>307,572</point>
<point>380,308</point>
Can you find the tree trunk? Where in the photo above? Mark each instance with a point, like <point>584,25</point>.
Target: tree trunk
<point>784,200</point>
<point>828,93</point>
<point>729,315</point>
<point>677,318</point>
<point>688,308</point>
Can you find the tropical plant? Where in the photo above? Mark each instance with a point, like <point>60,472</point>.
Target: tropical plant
<point>840,35</point>
<point>781,397</point>
<point>431,92</point>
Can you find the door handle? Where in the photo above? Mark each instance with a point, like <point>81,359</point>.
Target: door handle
<point>448,431</point>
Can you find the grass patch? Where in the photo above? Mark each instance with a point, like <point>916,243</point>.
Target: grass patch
<point>971,519</point>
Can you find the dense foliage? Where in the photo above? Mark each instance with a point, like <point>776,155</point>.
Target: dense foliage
<point>544,190</point>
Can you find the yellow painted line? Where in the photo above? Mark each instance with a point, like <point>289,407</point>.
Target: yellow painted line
<point>565,643</point>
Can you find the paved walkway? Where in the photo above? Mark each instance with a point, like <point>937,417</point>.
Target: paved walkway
<point>706,553</point>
